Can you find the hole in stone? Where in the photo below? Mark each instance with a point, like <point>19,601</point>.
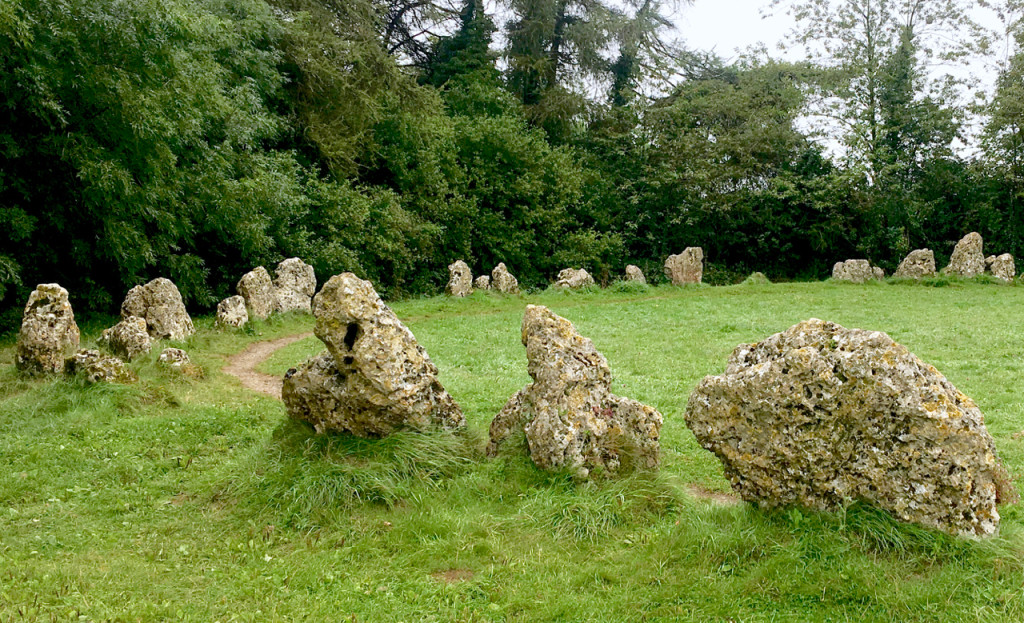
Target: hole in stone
<point>348,360</point>
<point>351,335</point>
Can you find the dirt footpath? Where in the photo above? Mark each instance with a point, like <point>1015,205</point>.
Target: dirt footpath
<point>242,365</point>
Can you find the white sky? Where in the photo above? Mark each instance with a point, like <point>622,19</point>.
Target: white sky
<point>729,26</point>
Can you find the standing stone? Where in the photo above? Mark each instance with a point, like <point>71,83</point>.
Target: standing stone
<point>856,271</point>
<point>295,285</point>
<point>258,291</point>
<point>967,260</point>
<point>460,279</point>
<point>483,282</point>
<point>174,358</point>
<point>231,312</point>
<point>48,331</point>
<point>686,267</point>
<point>571,418</point>
<point>573,279</point>
<point>96,367</point>
<point>503,281</point>
<point>1001,267</point>
<point>375,378</point>
<point>819,416</point>
<point>159,302</point>
<point>918,264</point>
<point>633,273</point>
<point>128,339</point>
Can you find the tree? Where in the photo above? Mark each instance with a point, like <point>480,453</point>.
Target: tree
<point>465,52</point>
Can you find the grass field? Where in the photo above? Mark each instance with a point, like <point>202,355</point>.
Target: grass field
<point>183,498</point>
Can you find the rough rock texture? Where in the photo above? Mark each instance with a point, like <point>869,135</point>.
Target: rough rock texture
<point>460,279</point>
<point>48,331</point>
<point>857,271</point>
<point>1001,266</point>
<point>159,302</point>
<point>967,259</point>
<point>572,279</point>
<point>295,285</point>
<point>503,281</point>
<point>375,378</point>
<point>571,418</point>
<point>96,367</point>
<point>231,312</point>
<point>686,267</point>
<point>633,273</point>
<point>174,358</point>
<point>259,293</point>
<point>128,339</point>
<point>819,416</point>
<point>917,264</point>
<point>483,282</point>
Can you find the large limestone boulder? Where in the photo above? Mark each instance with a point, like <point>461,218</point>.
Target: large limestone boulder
<point>128,339</point>
<point>460,279</point>
<point>819,416</point>
<point>633,273</point>
<point>686,267</point>
<point>856,271</point>
<point>48,331</point>
<point>571,418</point>
<point>259,293</point>
<point>917,264</point>
<point>96,367</point>
<point>483,282</point>
<point>375,378</point>
<point>503,281</point>
<point>1001,266</point>
<point>967,259</point>
<point>231,312</point>
<point>160,304</point>
<point>572,279</point>
<point>295,285</point>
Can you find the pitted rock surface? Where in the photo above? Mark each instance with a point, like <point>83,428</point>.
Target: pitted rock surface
<point>48,331</point>
<point>160,304</point>
<point>570,417</point>
<point>460,279</point>
<point>174,358</point>
<point>259,293</point>
<point>633,273</point>
<point>967,259</point>
<point>503,281</point>
<point>231,312</point>
<point>96,367</point>
<point>375,378</point>
<point>571,278</point>
<point>686,267</point>
<point>856,271</point>
<point>127,339</point>
<point>1001,266</point>
<point>917,264</point>
<point>819,416</point>
<point>295,285</point>
<point>483,282</point>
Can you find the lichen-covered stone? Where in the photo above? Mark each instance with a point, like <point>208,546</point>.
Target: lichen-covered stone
<point>503,281</point>
<point>570,417</point>
<point>820,416</point>
<point>375,378</point>
<point>128,339</point>
<point>572,279</point>
<point>48,331</point>
<point>259,293</point>
<point>460,279</point>
<point>633,273</point>
<point>1001,266</point>
<point>483,282</point>
<point>686,267</point>
<point>856,271</point>
<point>231,312</point>
<point>294,285</point>
<point>756,279</point>
<point>918,264</point>
<point>174,358</point>
<point>160,304</point>
<point>967,260</point>
<point>96,367</point>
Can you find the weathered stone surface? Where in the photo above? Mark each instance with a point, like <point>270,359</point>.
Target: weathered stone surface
<point>877,273</point>
<point>572,279</point>
<point>460,279</point>
<point>128,339</point>
<point>48,331</point>
<point>96,367</point>
<point>483,282</point>
<point>295,285</point>
<point>633,273</point>
<point>571,418</point>
<point>375,378</point>
<point>1001,266</point>
<point>160,304</point>
<point>686,267</point>
<point>259,293</point>
<point>856,271</point>
<point>174,358</point>
<point>231,312</point>
<point>917,264</point>
<point>967,259</point>
<point>819,416</point>
<point>503,281</point>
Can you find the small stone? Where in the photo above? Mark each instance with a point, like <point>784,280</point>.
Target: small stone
<point>1001,267</point>
<point>48,331</point>
<point>96,367</point>
<point>174,358</point>
<point>967,259</point>
<point>503,281</point>
<point>259,293</point>
<point>918,264</point>
<point>128,339</point>
<point>856,271</point>
<point>231,312</point>
<point>633,273</point>
<point>686,267</point>
<point>295,285</point>
<point>160,304</point>
<point>573,279</point>
<point>570,417</point>
<point>483,282</point>
<point>877,273</point>
<point>756,279</point>
<point>460,279</point>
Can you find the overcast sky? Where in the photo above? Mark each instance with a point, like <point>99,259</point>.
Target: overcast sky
<point>726,26</point>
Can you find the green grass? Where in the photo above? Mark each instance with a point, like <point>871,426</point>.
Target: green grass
<point>191,499</point>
